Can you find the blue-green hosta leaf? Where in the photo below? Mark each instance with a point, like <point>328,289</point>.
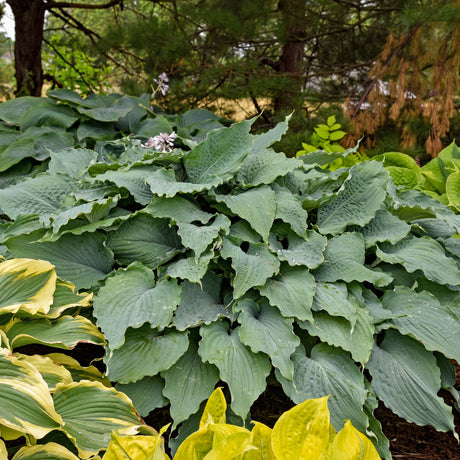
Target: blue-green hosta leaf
<point>83,260</point>
<point>25,400</point>
<point>423,254</point>
<point>357,339</point>
<point>257,206</point>
<point>42,195</point>
<point>264,140</point>
<point>421,316</point>
<point>432,227</point>
<point>153,126</point>
<point>190,268</point>
<point>263,329</point>
<point>301,251</point>
<point>145,352</point>
<point>292,291</point>
<point>23,225</point>
<point>93,129</point>
<point>72,162</point>
<point>91,412</point>
<point>406,378</point>
<point>357,201</point>
<point>187,383</point>
<point>48,114</point>
<point>144,239</point>
<point>132,297</point>
<point>252,268</point>
<point>329,371</point>
<point>344,260</point>
<point>383,227</point>
<point>200,304</point>
<point>199,238</point>
<point>13,110</point>
<point>112,111</point>
<point>264,167</point>
<point>146,394</point>
<point>244,371</point>
<point>220,156</point>
<point>178,209</point>
<point>289,209</point>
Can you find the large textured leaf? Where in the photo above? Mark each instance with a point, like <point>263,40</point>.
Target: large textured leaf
<point>252,268</point>
<point>344,260</point>
<point>131,298</point>
<point>25,400</point>
<point>27,285</point>
<point>264,140</point>
<point>48,451</point>
<point>291,291</point>
<point>421,316</point>
<point>244,371</point>
<point>72,162</point>
<point>190,268</point>
<point>263,329</point>
<point>13,110</point>
<point>453,190</point>
<point>83,260</point>
<point>144,239</point>
<point>406,378</point>
<point>358,199</point>
<point>135,447</point>
<point>257,206</point>
<point>145,352</point>
<point>90,412</point>
<point>111,112</point>
<point>219,157</point>
<point>423,254</point>
<point>48,114</point>
<point>42,195</point>
<point>187,383</point>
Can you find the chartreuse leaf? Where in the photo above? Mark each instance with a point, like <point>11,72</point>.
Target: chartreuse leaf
<point>244,371</point>
<point>220,156</point>
<point>187,383</point>
<point>3,450</point>
<point>406,378</point>
<point>252,268</point>
<point>303,431</point>
<point>292,291</point>
<point>261,437</point>
<point>196,446</point>
<point>48,451</point>
<point>402,168</point>
<point>25,401</point>
<point>423,254</point>
<point>90,412</point>
<point>257,206</point>
<point>263,329</point>
<point>344,260</point>
<point>26,285</point>
<point>453,190</point>
<point>144,239</point>
<point>145,352</point>
<point>230,445</point>
<point>215,408</point>
<point>132,297</point>
<point>357,201</point>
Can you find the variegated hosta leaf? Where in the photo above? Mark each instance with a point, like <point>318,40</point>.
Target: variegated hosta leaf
<point>132,297</point>
<point>25,401</point>
<point>145,352</point>
<point>421,316</point>
<point>256,205</point>
<point>357,201</point>
<point>263,329</point>
<point>65,297</point>
<point>90,412</point>
<point>48,451</point>
<point>144,239</point>
<point>406,378</point>
<point>244,371</point>
<point>292,291</point>
<point>423,254</point>
<point>344,260</point>
<point>26,285</point>
<point>252,268</point>
<point>187,383</point>
<point>329,371</point>
<point>65,332</point>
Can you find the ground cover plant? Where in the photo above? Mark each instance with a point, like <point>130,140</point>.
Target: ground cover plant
<point>223,260</point>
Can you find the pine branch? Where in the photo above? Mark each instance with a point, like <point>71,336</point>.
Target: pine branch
<point>93,6</point>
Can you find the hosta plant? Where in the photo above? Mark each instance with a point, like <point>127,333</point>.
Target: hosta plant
<point>43,395</point>
<point>223,260</point>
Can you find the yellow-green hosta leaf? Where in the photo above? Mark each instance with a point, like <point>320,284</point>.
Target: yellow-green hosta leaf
<point>48,451</point>
<point>3,451</point>
<point>350,444</point>
<point>230,446</point>
<point>261,437</point>
<point>26,285</point>
<point>453,190</point>
<point>196,446</point>
<point>25,401</point>
<point>8,434</point>
<point>90,412</point>
<point>214,411</point>
<point>135,448</point>
<point>303,431</point>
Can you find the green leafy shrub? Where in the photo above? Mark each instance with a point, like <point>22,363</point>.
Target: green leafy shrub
<point>223,260</point>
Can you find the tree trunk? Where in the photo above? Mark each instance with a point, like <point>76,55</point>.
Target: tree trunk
<point>29,18</point>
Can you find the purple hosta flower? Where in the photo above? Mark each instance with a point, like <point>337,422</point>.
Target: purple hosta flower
<point>164,142</point>
<point>162,82</point>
